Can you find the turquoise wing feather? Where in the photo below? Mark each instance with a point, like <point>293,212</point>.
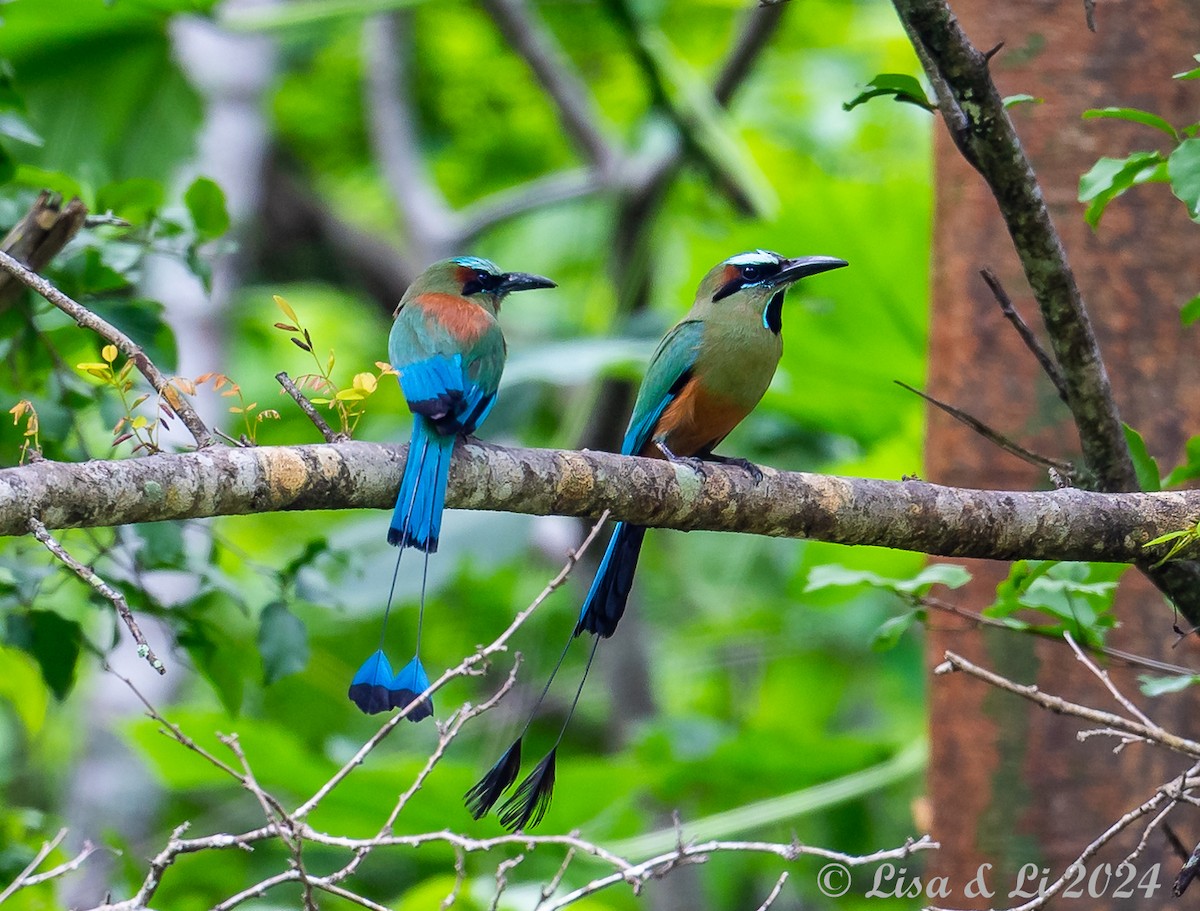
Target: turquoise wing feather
<point>670,369</point>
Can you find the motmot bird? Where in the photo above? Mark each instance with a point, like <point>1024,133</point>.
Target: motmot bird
<point>448,352</point>
<point>707,374</point>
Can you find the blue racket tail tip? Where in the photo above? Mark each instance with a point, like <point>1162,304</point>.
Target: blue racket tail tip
<point>405,688</point>
<point>370,689</point>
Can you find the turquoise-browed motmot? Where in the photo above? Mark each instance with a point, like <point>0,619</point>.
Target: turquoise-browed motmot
<point>448,350</point>
<point>707,374</point>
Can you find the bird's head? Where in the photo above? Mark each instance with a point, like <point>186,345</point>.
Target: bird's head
<point>474,278</point>
<point>756,282</point>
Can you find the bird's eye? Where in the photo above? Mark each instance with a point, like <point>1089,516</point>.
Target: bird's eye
<point>482,277</point>
<point>750,273</point>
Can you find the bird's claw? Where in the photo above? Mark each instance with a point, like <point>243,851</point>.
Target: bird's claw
<point>747,466</point>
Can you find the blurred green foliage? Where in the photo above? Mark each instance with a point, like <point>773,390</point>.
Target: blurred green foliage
<point>764,685</point>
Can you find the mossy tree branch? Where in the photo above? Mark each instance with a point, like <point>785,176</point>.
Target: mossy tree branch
<point>1066,524</point>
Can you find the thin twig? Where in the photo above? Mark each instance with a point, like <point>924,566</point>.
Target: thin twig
<point>1031,341</point>
<point>307,407</point>
<point>774,893</point>
<point>1087,853</point>
<point>21,881</point>
<point>577,111</point>
<point>447,734</point>
<point>991,435</point>
<point>460,877</point>
<point>88,575</point>
<point>655,867</point>
<point>468,664</point>
<point>955,662</point>
<point>1127,658</point>
<point>502,871</point>
<point>551,887</point>
<point>1103,677</point>
<point>431,225</point>
<point>1089,14</point>
<point>88,320</point>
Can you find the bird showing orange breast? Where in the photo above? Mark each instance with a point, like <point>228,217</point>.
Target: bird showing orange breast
<point>695,421</point>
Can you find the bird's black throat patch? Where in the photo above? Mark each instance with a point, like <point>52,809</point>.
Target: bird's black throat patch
<point>773,312</point>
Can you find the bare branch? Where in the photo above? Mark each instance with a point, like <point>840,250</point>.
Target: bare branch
<point>432,226</point>
<point>466,666</point>
<point>992,436</point>
<point>1103,677</point>
<point>1066,524</point>
<point>306,406</point>
<point>539,193</point>
<point>88,575</point>
<point>1150,732</point>
<point>659,866</point>
<point>975,115</point>
<point>43,852</point>
<point>761,25</point>
<point>577,111</point>
<point>1090,851</point>
<point>1127,658</point>
<point>774,893</point>
<point>38,237</point>
<point>110,333</point>
<point>1031,341</point>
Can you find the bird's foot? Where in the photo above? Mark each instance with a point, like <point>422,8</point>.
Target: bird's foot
<point>697,465</point>
<point>745,464</point>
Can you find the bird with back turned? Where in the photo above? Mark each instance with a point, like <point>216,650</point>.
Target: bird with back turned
<point>448,351</point>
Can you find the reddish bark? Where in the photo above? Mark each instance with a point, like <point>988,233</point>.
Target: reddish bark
<point>1009,784</point>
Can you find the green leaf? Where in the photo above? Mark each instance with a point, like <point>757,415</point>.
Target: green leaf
<point>1144,464</point>
<point>55,181</point>
<point>1190,312</point>
<point>215,638</point>
<point>206,203</point>
<point>1183,167</point>
<point>1011,101</point>
<point>162,545</point>
<point>136,200</point>
<point>1110,177</point>
<point>1169,536</point>
<point>282,642</point>
<point>1133,115</point>
<point>22,688</point>
<point>1160,686</point>
<point>1190,74</point>
<point>14,126</point>
<point>831,575</point>
<point>899,86</point>
<point>891,630</point>
<point>143,321</point>
<point>1189,469</point>
<point>8,166</point>
<point>53,641</point>
<point>305,13</point>
<point>1077,595</point>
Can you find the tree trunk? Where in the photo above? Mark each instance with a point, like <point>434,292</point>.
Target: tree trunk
<point>1009,783</point>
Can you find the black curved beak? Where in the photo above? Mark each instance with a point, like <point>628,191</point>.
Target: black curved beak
<point>523,281</point>
<point>803,266</point>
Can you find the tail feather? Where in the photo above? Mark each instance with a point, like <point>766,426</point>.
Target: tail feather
<point>417,519</point>
<point>409,683</point>
<point>605,602</point>
<point>370,689</point>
